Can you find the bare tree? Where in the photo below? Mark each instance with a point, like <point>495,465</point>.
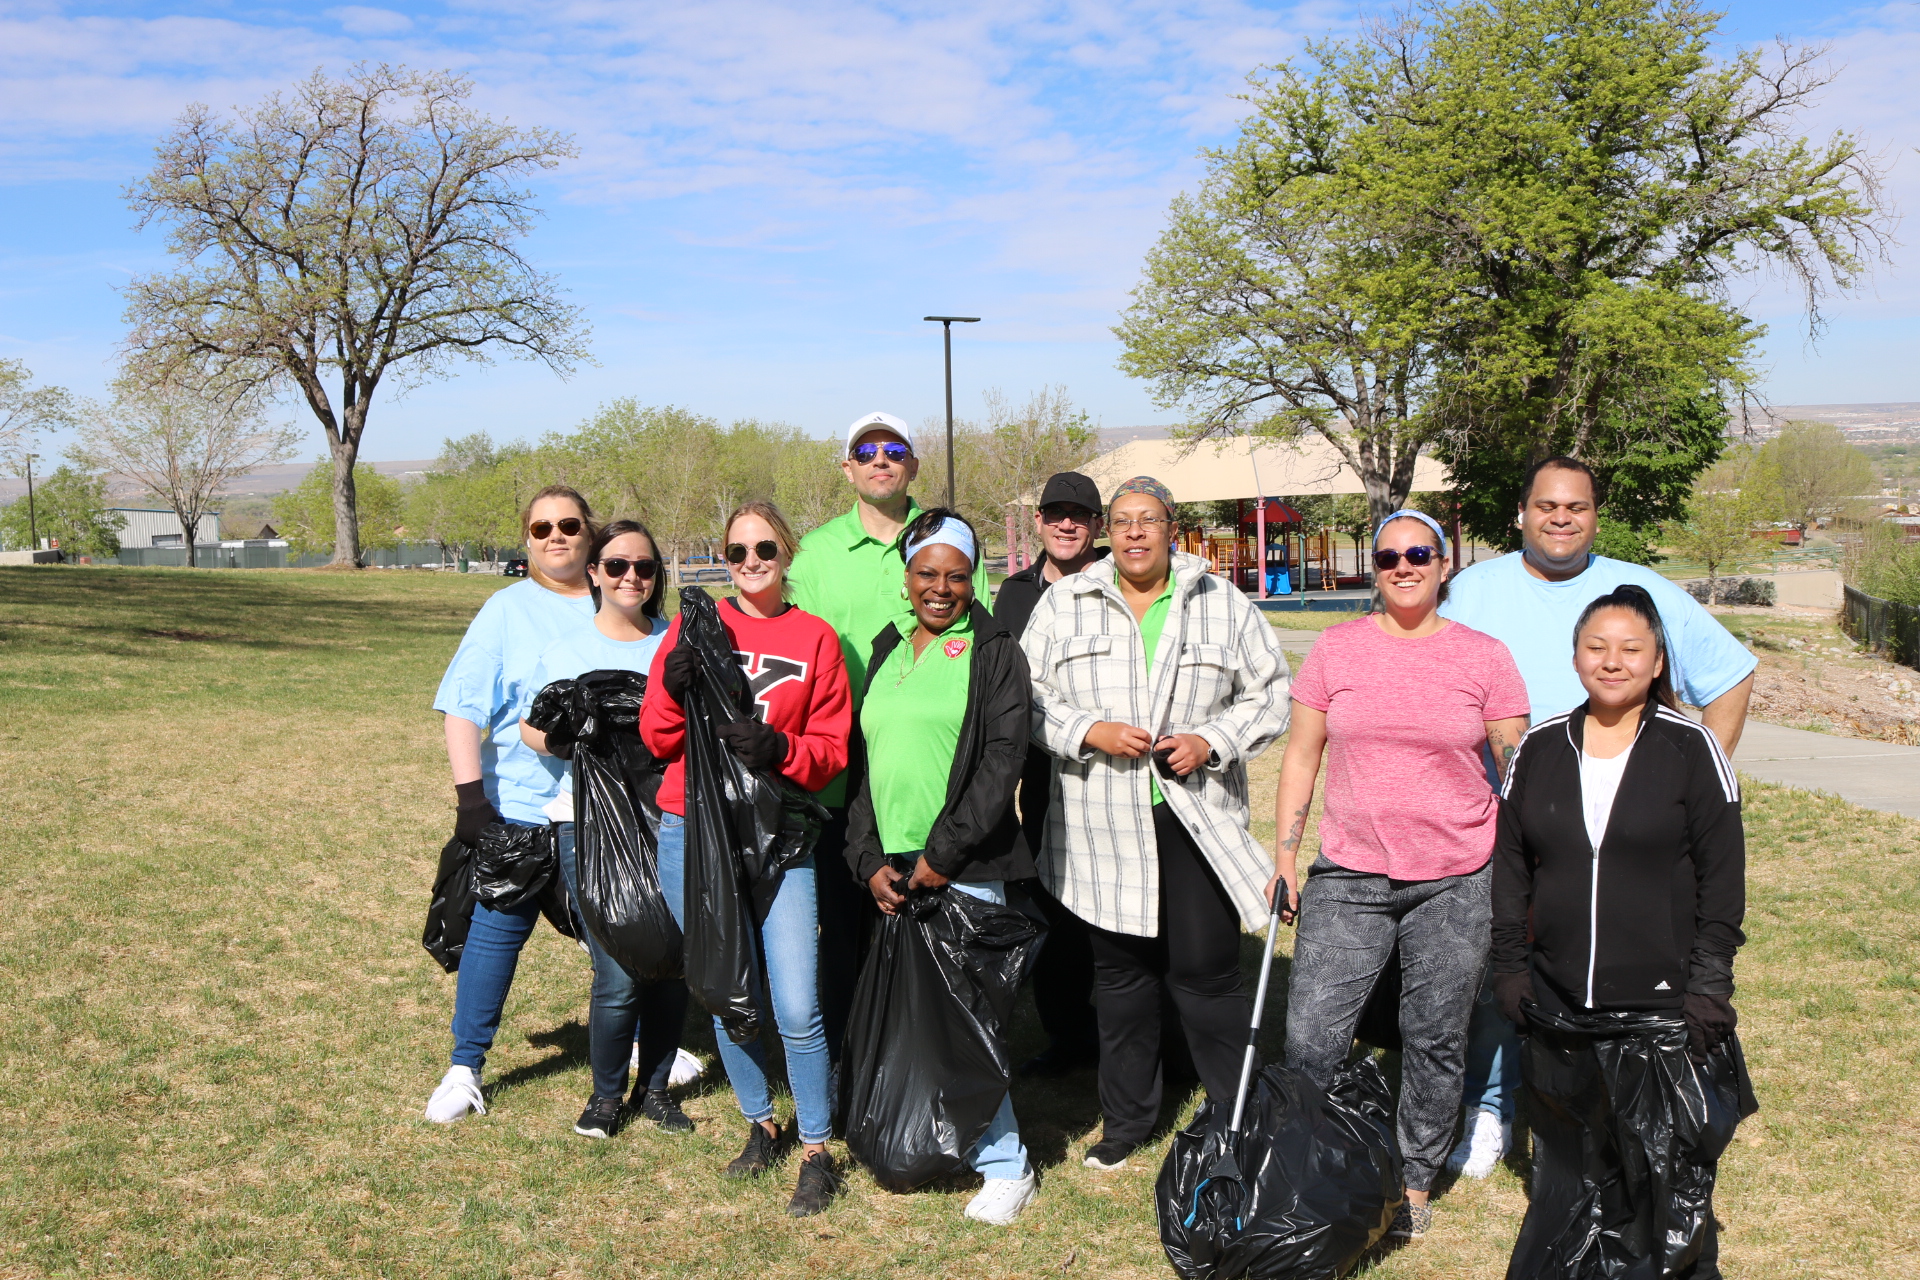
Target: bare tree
<point>183,444</point>
<point>26,411</point>
<point>360,231</point>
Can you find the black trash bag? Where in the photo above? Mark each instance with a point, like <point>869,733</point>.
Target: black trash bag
<point>1627,1133</point>
<point>515,865</point>
<point>1379,1023</point>
<point>744,829</point>
<point>617,868</point>
<point>926,1060</point>
<point>1321,1179</point>
<point>451,910</point>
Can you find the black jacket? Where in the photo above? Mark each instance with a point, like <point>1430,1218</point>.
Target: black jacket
<point>1019,592</point>
<point>1657,911</point>
<point>976,837</point>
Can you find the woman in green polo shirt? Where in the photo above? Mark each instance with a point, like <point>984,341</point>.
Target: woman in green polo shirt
<point>944,721</point>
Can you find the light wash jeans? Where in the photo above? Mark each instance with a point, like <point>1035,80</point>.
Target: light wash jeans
<point>1493,1059</point>
<point>790,940</point>
<point>999,1153</point>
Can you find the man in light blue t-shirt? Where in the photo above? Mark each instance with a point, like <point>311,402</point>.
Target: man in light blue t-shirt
<point>1530,601</point>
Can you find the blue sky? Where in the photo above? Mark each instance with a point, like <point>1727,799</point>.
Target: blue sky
<point>771,194</point>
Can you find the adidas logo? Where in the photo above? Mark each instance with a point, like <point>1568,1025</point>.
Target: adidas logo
<point>1663,987</point>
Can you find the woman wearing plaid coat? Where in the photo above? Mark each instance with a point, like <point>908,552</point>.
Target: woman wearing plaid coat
<point>1154,683</point>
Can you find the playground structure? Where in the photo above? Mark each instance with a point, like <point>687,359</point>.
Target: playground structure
<point>1296,559</point>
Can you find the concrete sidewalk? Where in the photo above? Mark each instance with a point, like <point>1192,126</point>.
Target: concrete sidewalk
<point>1877,775</point>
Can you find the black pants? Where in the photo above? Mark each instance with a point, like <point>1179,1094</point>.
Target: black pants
<point>1063,971</point>
<point>1196,959</point>
<point>847,914</point>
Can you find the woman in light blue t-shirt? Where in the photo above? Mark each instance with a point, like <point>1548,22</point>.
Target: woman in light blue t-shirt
<point>624,567</point>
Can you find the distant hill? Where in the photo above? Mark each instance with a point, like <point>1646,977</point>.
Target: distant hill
<point>263,483</point>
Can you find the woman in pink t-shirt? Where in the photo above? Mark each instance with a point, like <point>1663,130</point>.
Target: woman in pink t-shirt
<point>1400,704</point>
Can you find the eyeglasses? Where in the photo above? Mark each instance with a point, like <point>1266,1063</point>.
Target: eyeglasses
<point>1067,515</point>
<point>768,550</point>
<point>1146,524</point>
<point>570,526</point>
<point>865,453</point>
<point>1418,557</point>
<point>615,568</point>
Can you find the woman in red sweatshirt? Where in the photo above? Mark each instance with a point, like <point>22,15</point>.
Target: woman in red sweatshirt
<point>805,712</point>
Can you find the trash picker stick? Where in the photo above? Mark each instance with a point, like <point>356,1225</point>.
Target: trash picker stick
<point>1259,1008</point>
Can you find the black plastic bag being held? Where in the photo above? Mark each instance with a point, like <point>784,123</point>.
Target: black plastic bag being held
<point>1627,1132</point>
<point>451,910</point>
<point>744,829</point>
<point>926,1058</point>
<point>617,881</point>
<point>1320,1179</point>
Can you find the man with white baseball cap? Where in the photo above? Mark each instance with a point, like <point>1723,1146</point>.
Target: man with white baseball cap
<point>851,573</point>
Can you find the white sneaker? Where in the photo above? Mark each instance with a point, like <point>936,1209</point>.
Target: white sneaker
<point>1001,1199</point>
<point>457,1093</point>
<point>1481,1146</point>
<point>687,1067</point>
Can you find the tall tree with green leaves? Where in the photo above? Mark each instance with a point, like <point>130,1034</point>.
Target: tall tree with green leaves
<point>1604,179</point>
<point>356,234</point>
<point>304,513</point>
<point>1811,469</point>
<point>1716,531</point>
<point>70,507</point>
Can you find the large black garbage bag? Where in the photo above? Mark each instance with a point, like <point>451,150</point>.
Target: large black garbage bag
<point>744,829</point>
<point>616,852</point>
<point>515,865</point>
<point>451,910</point>
<point>1627,1130</point>
<point>1320,1181</point>
<point>925,1062</point>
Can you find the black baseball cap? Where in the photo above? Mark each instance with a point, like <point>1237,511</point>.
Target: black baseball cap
<point>1071,487</point>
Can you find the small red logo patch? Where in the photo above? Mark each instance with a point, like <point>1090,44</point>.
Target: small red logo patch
<point>955,647</point>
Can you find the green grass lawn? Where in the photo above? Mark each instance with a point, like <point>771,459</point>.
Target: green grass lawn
<point>224,794</point>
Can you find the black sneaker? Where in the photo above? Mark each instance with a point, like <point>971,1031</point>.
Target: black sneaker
<point>601,1119</point>
<point>819,1184</point>
<point>1056,1061</point>
<point>658,1106</point>
<point>1107,1156</point>
<point>762,1150</point>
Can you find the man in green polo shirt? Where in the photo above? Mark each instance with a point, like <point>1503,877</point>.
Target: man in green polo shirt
<point>850,572</point>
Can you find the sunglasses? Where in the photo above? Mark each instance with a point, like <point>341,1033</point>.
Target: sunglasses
<point>864,453</point>
<point>1418,557</point>
<point>570,526</point>
<point>615,568</point>
<point>768,550</point>
<point>1067,515</point>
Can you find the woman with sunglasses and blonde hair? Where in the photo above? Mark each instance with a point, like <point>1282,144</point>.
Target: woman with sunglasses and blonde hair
<point>803,716</point>
<point>1399,704</point>
<point>624,568</point>
<point>496,776</point>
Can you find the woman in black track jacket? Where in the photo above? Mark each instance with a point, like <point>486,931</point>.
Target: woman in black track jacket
<point>1619,877</point>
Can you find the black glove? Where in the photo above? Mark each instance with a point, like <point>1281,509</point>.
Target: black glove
<point>1510,991</point>
<point>758,746</point>
<point>473,812</point>
<point>679,671</point>
<point>560,741</point>
<point>1710,1020</point>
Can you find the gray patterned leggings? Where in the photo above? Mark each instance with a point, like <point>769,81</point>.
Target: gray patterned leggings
<point>1349,921</point>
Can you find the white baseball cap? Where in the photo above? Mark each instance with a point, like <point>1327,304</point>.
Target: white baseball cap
<point>877,421</point>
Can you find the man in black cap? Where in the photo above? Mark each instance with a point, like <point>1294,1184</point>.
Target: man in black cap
<point>1069,522</point>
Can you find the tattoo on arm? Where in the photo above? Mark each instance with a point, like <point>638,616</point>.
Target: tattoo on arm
<point>1503,748</point>
<point>1296,830</point>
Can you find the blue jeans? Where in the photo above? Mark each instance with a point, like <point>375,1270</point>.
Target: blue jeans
<point>790,941</point>
<point>486,971</point>
<point>1493,1059</point>
<point>622,1009</point>
<point>999,1153</point>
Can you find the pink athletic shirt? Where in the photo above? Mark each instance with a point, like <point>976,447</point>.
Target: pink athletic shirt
<point>1407,794</point>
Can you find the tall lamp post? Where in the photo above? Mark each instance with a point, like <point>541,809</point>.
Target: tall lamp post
<point>33,524</point>
<point>946,334</point>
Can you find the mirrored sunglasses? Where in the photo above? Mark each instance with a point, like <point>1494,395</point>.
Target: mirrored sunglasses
<point>1418,557</point>
<point>865,453</point>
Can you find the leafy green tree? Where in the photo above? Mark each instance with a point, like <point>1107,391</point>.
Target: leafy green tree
<point>1883,563</point>
<point>304,513</point>
<point>1717,530</point>
<point>1811,470</point>
<point>69,506</point>
<point>1607,179</point>
<point>360,233</point>
<point>26,411</point>
<point>1618,540</point>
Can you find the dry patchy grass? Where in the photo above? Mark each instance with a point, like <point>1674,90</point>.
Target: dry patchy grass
<point>224,792</point>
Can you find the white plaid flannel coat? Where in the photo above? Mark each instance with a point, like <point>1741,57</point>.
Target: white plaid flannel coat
<point>1218,673</point>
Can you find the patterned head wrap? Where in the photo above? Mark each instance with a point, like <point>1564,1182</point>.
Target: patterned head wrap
<point>1143,484</point>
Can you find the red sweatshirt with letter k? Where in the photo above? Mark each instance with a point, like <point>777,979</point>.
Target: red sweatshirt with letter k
<point>799,681</point>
